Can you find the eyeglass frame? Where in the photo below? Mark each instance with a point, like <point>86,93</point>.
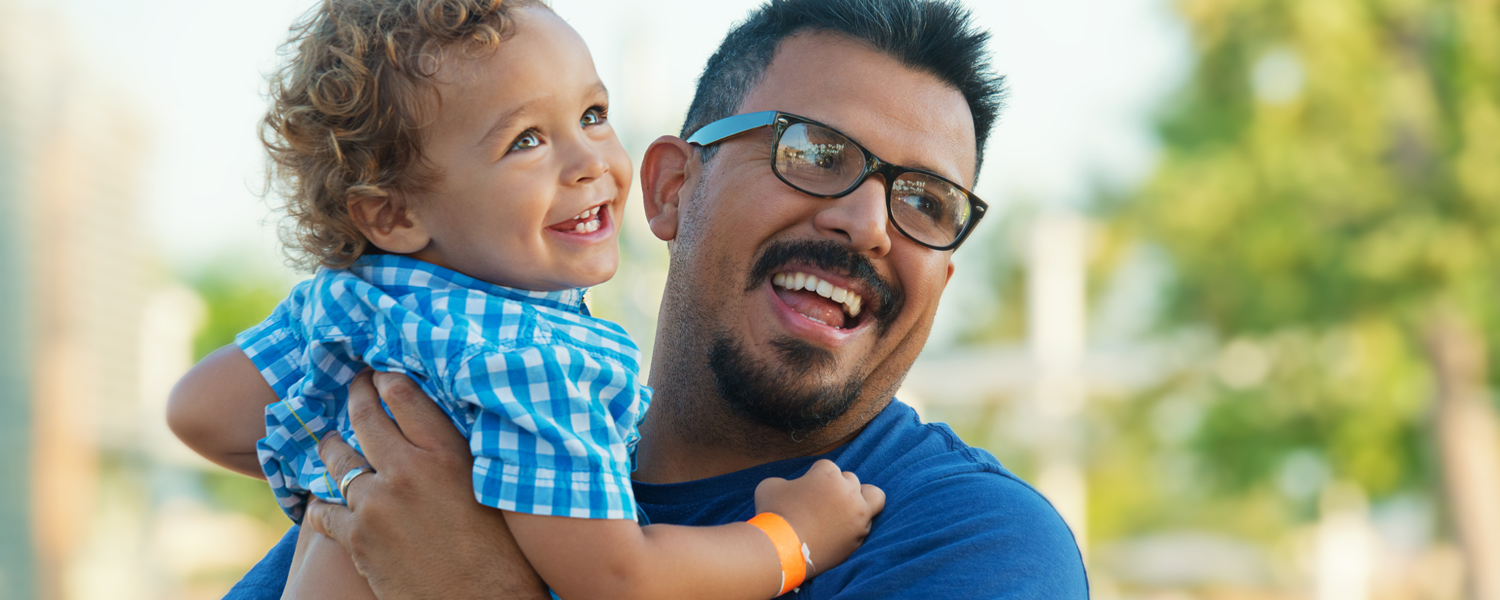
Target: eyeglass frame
<point>736,125</point>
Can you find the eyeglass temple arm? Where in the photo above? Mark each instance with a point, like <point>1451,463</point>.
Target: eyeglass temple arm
<point>729,127</point>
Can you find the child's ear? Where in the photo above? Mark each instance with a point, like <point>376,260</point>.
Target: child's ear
<point>664,172</point>
<point>388,223</point>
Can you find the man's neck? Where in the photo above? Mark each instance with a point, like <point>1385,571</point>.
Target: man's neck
<point>690,438</point>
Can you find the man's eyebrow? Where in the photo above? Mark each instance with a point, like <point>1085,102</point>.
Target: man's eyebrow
<point>923,165</point>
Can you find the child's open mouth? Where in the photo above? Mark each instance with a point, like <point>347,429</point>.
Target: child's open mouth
<point>587,221</point>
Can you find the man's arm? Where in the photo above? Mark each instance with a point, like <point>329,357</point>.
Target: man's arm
<point>413,527</point>
<point>218,409</point>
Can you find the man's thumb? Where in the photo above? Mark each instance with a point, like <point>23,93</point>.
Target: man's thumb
<point>332,520</point>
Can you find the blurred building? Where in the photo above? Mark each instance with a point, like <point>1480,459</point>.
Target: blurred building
<point>72,293</point>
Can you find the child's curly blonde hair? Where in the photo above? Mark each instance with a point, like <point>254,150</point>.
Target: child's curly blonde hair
<point>346,109</point>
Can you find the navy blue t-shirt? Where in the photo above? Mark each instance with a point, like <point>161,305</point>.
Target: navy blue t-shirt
<point>956,524</point>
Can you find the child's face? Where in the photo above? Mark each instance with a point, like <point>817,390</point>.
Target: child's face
<point>521,146</point>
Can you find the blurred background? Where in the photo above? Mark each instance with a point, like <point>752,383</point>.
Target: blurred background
<point>1233,315</point>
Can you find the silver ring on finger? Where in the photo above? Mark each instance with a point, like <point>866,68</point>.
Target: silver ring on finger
<point>349,478</point>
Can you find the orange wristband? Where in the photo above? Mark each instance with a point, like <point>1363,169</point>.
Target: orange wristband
<point>789,549</point>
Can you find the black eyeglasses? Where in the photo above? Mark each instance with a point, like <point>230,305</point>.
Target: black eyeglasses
<point>819,160</point>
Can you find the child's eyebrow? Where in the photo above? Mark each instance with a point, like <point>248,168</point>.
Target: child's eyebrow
<point>505,120</point>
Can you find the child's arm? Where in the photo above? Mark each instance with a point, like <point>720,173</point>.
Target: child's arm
<point>218,409</point>
<point>596,558</point>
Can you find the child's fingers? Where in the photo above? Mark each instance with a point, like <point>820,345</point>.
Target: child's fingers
<point>420,419</point>
<point>823,467</point>
<point>769,485</point>
<point>874,496</point>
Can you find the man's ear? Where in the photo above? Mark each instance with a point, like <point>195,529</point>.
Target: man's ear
<point>388,223</point>
<point>664,172</point>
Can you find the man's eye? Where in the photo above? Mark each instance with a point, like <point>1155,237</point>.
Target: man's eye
<point>925,205</point>
<point>915,195</point>
<point>527,141</point>
<point>594,116</point>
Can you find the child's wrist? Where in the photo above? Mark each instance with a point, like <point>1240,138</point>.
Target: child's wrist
<point>792,553</point>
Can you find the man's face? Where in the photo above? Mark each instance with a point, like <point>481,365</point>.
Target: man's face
<point>793,359</point>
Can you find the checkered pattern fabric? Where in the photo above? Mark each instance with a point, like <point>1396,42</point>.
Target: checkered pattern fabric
<point>548,396</point>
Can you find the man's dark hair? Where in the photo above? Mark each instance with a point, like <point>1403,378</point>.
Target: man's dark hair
<point>932,36</point>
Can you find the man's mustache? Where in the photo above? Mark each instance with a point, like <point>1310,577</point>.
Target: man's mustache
<point>836,258</point>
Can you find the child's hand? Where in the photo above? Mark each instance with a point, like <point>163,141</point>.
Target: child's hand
<point>830,510</point>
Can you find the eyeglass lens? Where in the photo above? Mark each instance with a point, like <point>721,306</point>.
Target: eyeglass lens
<point>820,161</point>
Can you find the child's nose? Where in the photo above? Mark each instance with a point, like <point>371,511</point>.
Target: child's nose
<point>586,163</point>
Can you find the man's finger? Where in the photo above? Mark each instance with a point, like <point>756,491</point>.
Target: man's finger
<point>340,458</point>
<point>332,520</point>
<point>376,431</point>
<point>422,421</point>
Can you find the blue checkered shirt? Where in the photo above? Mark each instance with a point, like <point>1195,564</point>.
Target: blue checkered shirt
<point>548,396</point>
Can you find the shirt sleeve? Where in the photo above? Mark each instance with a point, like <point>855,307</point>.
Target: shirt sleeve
<point>972,535</point>
<point>277,344</point>
<point>267,579</point>
<point>552,431</point>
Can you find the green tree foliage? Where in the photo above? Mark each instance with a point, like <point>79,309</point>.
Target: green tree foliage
<point>1330,184</point>
<point>237,298</point>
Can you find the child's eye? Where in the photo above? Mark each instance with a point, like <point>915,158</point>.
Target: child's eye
<point>527,141</point>
<point>594,116</point>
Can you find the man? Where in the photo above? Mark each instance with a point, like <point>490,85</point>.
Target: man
<point>755,375</point>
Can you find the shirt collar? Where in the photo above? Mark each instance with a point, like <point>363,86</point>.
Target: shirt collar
<point>396,270</point>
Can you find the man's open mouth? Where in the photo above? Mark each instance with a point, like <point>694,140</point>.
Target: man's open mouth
<point>818,299</point>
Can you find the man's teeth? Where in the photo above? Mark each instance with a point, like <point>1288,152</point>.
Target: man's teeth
<point>589,226</point>
<point>803,281</point>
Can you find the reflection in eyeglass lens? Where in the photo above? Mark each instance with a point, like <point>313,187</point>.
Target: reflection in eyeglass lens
<point>819,160</point>
<point>928,209</point>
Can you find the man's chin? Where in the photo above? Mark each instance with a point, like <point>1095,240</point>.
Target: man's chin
<point>790,396</point>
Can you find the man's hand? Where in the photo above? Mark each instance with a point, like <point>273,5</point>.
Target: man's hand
<point>413,526</point>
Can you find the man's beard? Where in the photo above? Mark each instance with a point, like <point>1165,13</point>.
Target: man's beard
<point>787,396</point>
<point>780,397</point>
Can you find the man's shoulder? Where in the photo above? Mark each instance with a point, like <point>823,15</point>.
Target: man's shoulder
<point>898,450</point>
<point>956,523</point>
<point>925,465</point>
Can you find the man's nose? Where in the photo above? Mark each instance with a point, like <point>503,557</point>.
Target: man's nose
<point>858,219</point>
<point>584,158</point>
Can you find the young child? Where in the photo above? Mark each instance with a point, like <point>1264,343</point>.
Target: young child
<point>451,165</point>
